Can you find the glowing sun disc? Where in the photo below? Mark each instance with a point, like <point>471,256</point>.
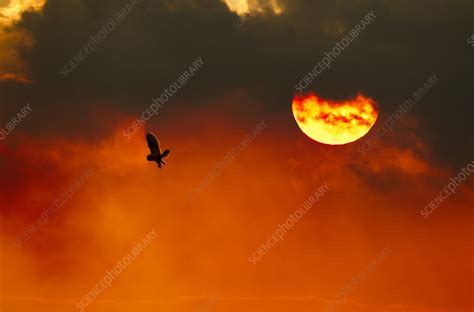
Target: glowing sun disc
<point>334,122</point>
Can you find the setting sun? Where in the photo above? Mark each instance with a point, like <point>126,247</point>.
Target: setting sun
<point>334,122</point>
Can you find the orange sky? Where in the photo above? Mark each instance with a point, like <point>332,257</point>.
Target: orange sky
<point>203,244</point>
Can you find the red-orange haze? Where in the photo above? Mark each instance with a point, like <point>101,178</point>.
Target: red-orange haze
<point>204,244</point>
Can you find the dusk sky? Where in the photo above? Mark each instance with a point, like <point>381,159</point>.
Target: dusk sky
<point>321,155</point>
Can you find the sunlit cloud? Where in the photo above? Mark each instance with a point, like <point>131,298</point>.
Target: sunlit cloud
<point>11,66</point>
<point>243,7</point>
<point>11,11</point>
